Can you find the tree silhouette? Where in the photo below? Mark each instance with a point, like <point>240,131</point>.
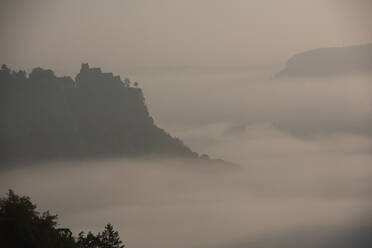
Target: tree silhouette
<point>110,238</point>
<point>88,241</point>
<point>127,82</point>
<point>22,226</point>
<point>5,68</point>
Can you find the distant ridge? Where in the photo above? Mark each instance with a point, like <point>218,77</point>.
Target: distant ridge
<point>45,117</point>
<point>334,61</point>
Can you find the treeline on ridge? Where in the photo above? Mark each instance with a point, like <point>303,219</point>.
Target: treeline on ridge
<point>97,114</point>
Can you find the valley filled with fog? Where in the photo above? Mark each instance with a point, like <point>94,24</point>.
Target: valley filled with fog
<point>302,149</point>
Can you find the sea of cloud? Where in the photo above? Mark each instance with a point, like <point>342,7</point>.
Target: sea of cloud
<point>303,177</point>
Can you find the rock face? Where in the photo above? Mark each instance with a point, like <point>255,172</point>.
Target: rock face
<point>49,117</point>
<point>334,61</point>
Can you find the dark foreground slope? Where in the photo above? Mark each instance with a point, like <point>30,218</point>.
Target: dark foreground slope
<point>22,226</point>
<point>48,117</point>
<point>333,61</point>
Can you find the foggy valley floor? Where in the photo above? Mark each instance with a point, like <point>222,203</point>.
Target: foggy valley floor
<point>174,205</point>
<point>304,150</point>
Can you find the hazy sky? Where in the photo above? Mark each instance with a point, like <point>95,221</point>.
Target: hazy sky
<point>127,33</point>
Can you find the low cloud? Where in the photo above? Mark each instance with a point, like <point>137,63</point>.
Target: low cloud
<point>169,202</point>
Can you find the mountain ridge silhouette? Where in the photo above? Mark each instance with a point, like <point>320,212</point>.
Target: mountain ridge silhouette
<point>331,61</point>
<point>45,117</point>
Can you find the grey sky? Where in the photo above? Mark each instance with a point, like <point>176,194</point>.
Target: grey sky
<point>117,34</point>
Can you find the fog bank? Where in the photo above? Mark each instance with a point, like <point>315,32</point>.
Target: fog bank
<point>168,203</point>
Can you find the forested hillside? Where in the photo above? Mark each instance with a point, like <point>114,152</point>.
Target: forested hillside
<point>97,114</point>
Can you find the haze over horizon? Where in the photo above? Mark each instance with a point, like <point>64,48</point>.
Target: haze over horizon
<point>120,34</point>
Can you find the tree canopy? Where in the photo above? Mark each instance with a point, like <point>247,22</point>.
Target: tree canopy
<point>22,226</point>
